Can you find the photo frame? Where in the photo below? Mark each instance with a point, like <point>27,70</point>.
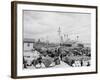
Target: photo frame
<point>51,39</point>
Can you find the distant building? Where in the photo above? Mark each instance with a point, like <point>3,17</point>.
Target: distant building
<point>28,44</point>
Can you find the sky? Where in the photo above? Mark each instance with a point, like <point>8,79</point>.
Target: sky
<point>44,25</point>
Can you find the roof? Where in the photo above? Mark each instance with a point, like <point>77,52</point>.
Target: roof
<point>27,40</point>
<point>78,57</point>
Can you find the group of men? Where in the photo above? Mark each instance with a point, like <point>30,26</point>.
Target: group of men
<point>42,59</point>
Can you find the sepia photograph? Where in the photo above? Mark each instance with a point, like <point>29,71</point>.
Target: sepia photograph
<point>56,39</point>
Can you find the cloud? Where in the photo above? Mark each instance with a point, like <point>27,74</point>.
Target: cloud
<point>41,24</point>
